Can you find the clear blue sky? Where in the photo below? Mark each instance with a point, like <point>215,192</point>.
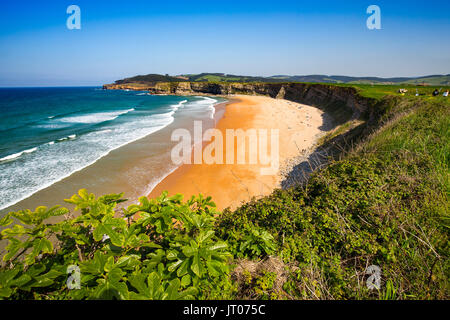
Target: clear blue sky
<point>125,38</point>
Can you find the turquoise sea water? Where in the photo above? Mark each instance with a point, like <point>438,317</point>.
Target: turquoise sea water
<point>46,134</point>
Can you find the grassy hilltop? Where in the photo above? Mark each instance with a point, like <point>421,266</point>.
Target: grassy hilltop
<point>381,200</point>
<point>432,80</point>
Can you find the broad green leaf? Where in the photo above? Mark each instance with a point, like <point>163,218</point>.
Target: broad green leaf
<point>139,282</point>
<point>22,280</point>
<point>204,236</point>
<point>24,216</point>
<point>40,246</point>
<point>188,251</point>
<point>196,265</point>
<point>12,248</point>
<point>173,266</point>
<point>153,284</point>
<point>215,268</point>
<point>186,280</point>
<point>5,292</point>
<point>6,221</point>
<point>188,294</point>
<point>172,255</point>
<point>183,269</point>
<point>172,289</point>
<point>7,276</point>
<point>109,265</point>
<point>218,246</point>
<point>15,231</point>
<point>128,261</point>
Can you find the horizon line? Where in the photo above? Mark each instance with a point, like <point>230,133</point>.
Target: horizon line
<point>287,75</point>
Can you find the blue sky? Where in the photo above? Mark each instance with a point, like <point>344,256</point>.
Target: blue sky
<point>125,38</point>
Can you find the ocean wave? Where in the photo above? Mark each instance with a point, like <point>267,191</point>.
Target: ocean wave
<point>71,137</point>
<point>213,111</point>
<point>205,100</point>
<point>166,115</point>
<point>52,126</point>
<point>179,105</point>
<point>95,117</point>
<point>17,155</point>
<point>104,131</point>
<point>208,104</point>
<point>158,180</point>
<point>56,160</point>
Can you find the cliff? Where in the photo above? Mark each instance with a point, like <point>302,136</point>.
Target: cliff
<point>340,102</point>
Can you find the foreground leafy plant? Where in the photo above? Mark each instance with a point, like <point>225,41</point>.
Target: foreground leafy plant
<point>169,251</point>
<point>385,204</point>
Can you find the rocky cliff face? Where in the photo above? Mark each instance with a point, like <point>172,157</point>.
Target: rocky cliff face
<point>340,102</point>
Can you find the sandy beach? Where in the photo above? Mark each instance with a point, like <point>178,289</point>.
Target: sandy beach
<point>231,184</point>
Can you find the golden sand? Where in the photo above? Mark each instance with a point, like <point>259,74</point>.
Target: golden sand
<point>231,184</point>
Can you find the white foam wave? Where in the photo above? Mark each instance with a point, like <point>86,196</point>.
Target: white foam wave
<point>54,163</point>
<point>213,111</point>
<point>206,103</point>
<point>181,104</point>
<point>154,183</point>
<point>104,131</point>
<point>71,137</point>
<point>17,155</point>
<point>178,106</point>
<point>95,117</point>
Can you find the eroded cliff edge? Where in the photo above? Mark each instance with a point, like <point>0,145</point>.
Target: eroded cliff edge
<point>353,116</point>
<point>341,102</point>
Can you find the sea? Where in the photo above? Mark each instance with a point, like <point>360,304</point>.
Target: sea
<point>47,135</point>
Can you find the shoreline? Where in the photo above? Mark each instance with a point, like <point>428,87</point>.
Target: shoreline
<point>132,168</point>
<point>218,114</point>
<point>230,185</point>
<point>241,182</point>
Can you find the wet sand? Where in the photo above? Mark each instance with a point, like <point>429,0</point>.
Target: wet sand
<point>133,169</point>
<point>231,184</point>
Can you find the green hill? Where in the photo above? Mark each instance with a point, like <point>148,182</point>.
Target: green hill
<point>433,80</point>
<point>149,78</point>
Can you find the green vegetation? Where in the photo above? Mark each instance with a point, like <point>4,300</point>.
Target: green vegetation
<point>150,78</point>
<point>169,252</point>
<point>380,91</point>
<point>433,80</point>
<point>383,202</point>
<point>220,77</point>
